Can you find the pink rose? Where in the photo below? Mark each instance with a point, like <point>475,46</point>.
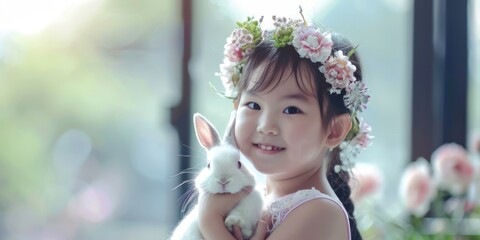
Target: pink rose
<point>366,181</point>
<point>417,187</point>
<point>233,52</point>
<point>338,71</point>
<point>313,44</point>
<point>452,169</point>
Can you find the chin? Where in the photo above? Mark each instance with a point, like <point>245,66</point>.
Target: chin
<point>262,168</point>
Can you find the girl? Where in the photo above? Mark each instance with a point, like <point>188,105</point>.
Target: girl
<point>296,98</point>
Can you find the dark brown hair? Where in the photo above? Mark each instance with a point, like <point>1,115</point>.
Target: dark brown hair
<point>285,60</point>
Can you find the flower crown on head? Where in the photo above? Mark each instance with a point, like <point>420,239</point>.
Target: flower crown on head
<point>310,42</point>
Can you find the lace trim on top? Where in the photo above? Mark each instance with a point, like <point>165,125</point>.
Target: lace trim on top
<point>281,207</point>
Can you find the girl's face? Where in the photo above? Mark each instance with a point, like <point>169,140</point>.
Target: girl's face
<point>280,128</point>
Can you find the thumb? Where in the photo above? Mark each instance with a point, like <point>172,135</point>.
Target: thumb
<point>237,232</point>
<point>260,231</point>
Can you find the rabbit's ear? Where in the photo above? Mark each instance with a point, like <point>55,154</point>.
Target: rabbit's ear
<point>207,135</point>
<point>229,136</point>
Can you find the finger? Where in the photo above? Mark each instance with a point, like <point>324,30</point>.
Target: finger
<point>237,232</point>
<point>260,231</point>
<point>246,190</point>
<point>267,218</point>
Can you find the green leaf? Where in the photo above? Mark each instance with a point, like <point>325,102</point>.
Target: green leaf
<point>351,52</point>
<point>218,92</point>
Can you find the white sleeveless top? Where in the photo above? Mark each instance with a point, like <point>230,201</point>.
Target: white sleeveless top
<point>281,207</point>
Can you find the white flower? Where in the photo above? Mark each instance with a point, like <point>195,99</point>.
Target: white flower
<point>227,70</point>
<point>356,97</point>
<point>348,151</point>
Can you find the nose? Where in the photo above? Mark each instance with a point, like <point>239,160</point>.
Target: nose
<point>223,181</point>
<point>267,124</point>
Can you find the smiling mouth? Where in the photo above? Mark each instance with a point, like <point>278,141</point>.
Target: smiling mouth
<point>268,147</point>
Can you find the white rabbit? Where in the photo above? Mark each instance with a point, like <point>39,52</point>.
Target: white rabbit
<point>223,174</point>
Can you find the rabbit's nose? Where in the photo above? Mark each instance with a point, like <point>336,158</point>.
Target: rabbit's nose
<point>223,181</point>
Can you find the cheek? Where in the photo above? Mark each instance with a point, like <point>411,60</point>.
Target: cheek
<point>238,132</point>
<point>307,137</point>
<point>243,129</point>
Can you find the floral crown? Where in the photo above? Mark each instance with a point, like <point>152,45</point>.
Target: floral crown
<point>310,42</point>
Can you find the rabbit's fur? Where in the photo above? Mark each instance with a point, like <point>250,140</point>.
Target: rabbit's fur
<point>223,174</point>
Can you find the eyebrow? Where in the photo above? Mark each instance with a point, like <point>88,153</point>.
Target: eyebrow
<point>295,96</point>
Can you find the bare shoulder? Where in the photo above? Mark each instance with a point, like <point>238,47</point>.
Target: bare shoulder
<point>319,219</point>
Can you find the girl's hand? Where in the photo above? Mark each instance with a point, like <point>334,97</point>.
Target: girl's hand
<point>213,210</point>
<point>221,204</point>
<point>260,231</point>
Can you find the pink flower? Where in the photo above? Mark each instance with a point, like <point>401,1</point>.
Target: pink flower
<point>417,187</point>
<point>311,43</point>
<point>452,169</point>
<point>233,52</point>
<point>235,48</point>
<point>338,71</point>
<point>366,181</point>
<point>363,138</point>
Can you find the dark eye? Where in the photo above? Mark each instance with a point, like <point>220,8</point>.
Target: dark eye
<point>208,165</point>
<point>239,164</point>
<point>292,110</point>
<point>253,105</point>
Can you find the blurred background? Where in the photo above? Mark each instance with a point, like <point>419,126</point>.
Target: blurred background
<point>96,99</point>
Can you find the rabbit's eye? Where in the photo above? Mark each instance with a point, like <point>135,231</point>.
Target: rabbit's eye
<point>208,165</point>
<point>239,164</point>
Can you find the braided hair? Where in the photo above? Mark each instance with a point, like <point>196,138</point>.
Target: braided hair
<point>339,183</point>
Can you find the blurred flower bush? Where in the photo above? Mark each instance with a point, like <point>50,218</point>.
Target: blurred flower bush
<point>439,199</point>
